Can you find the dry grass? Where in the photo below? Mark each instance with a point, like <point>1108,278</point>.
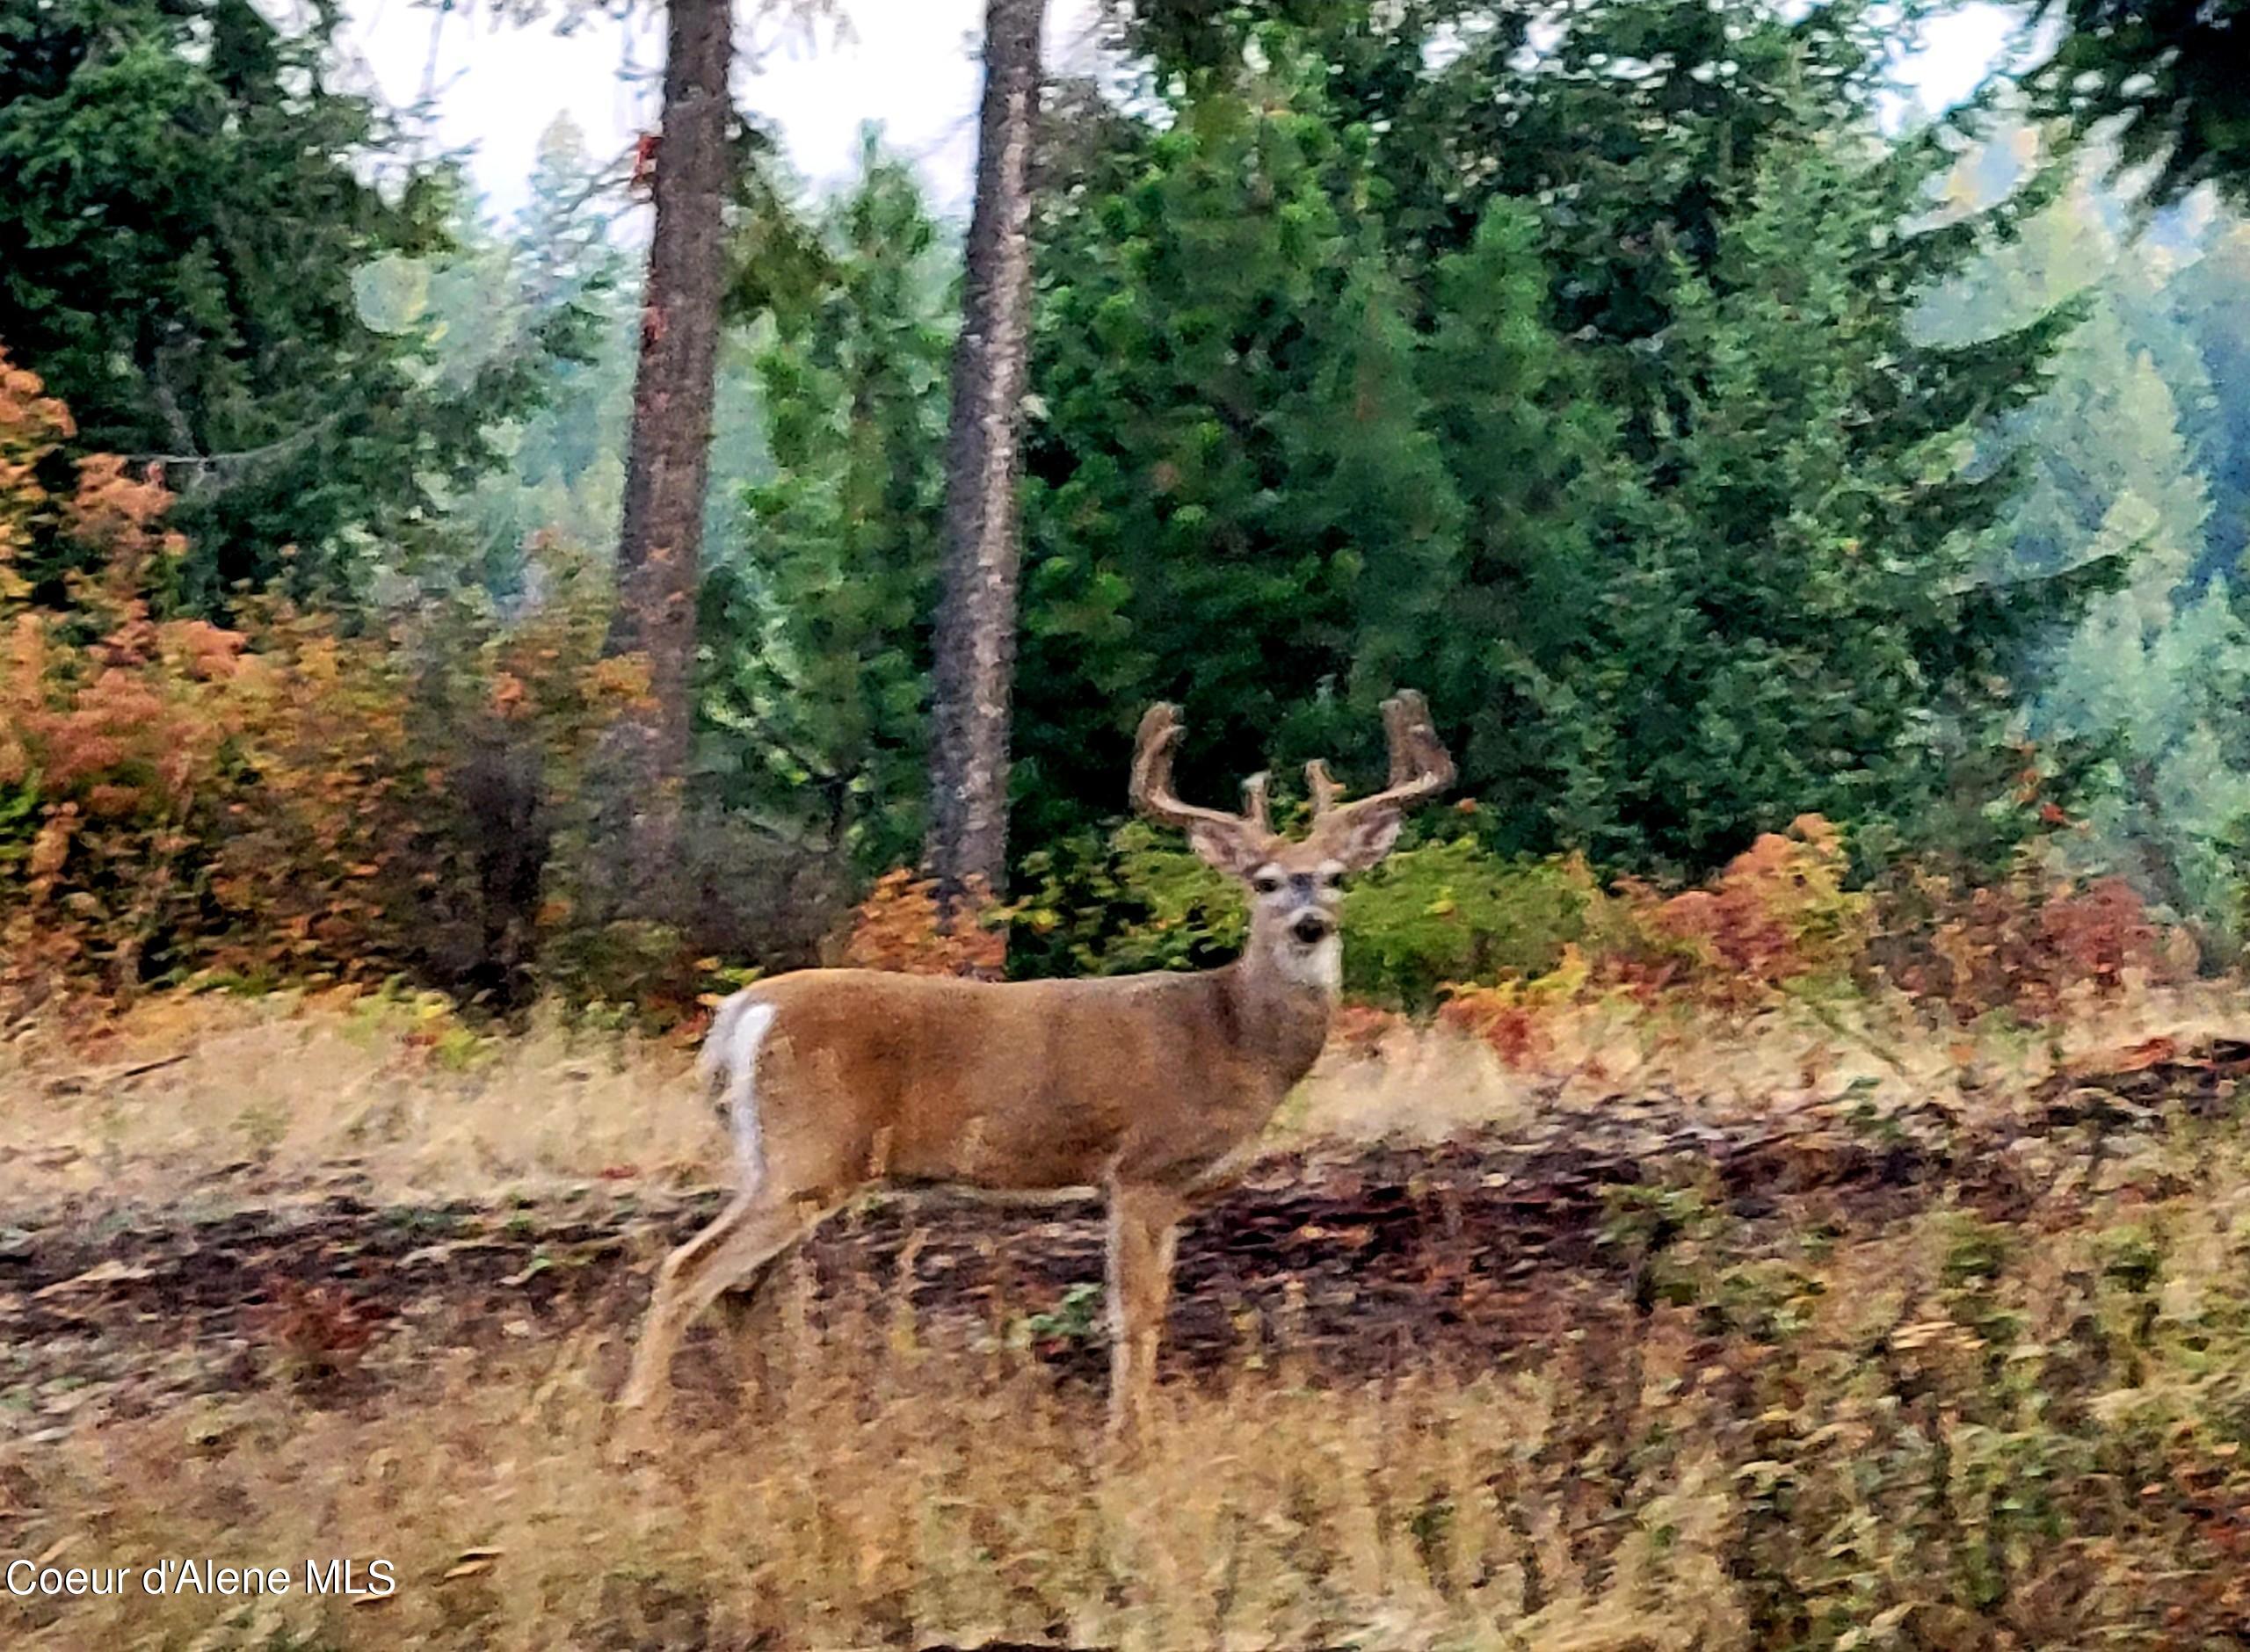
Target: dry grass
<point>1932,1433</point>
<point>1922,1459</point>
<point>894,1495</point>
<point>278,1090</point>
<point>269,1093</point>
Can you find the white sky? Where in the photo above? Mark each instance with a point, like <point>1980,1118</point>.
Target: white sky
<point>911,64</point>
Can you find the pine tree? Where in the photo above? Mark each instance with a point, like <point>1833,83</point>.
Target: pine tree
<point>184,206</point>
<point>817,648</point>
<point>1231,489</point>
<point>552,290</point>
<point>2150,678</point>
<point>1653,480</point>
<point>1537,456</point>
<point>2208,299</point>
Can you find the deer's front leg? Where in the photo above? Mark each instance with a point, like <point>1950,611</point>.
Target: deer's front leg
<point>1143,1228</point>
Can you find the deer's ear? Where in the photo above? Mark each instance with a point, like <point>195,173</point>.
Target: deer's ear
<point>1364,839</point>
<point>1233,852</point>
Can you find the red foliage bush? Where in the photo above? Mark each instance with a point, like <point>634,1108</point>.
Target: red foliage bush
<point>1777,916</point>
<point>2021,944</point>
<point>1778,921</point>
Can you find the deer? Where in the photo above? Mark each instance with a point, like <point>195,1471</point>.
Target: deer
<point>1150,1090</point>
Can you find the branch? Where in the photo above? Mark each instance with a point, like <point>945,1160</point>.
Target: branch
<point>241,458</point>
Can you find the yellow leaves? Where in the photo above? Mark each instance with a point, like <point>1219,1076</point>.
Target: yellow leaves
<point>900,927</point>
<point>52,846</point>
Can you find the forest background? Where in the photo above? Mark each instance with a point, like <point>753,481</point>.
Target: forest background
<point>1818,530</point>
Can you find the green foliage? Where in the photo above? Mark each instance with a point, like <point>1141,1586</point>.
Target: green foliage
<point>2176,71</point>
<point>1111,905</point>
<point>186,207</point>
<point>552,276</point>
<point>554,291</point>
<point>1452,912</point>
<point>1635,463</point>
<point>817,628</point>
<point>2203,300</point>
<point>2151,681</point>
<point>1436,914</point>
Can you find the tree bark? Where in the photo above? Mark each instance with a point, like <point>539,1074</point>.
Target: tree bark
<point>660,549</point>
<point>975,638</point>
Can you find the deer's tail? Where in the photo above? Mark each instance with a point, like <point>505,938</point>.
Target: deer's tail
<point>727,1068</point>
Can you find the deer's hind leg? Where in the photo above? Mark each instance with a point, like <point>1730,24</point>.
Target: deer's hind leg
<point>748,1236</point>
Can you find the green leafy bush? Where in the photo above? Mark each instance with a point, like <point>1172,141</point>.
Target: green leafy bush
<point>1111,905</point>
<point>1436,914</point>
<point>1455,912</point>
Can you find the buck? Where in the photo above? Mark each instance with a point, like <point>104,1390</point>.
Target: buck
<point>1151,1088</point>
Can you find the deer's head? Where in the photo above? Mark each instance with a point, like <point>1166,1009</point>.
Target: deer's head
<point>1297,887</point>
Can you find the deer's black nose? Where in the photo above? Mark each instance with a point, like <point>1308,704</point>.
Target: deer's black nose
<point>1312,928</point>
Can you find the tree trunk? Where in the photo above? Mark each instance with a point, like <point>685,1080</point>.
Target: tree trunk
<point>659,552</point>
<point>975,641</point>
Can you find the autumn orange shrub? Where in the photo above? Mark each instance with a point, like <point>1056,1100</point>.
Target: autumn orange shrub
<point>405,780</point>
<point>1779,922</point>
<point>2023,943</point>
<point>273,801</point>
<point>1778,919</point>
<point>1519,1017</point>
<point>1777,916</point>
<point>902,926</point>
<point>106,735</point>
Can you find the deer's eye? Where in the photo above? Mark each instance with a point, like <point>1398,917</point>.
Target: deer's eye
<point>1330,878</point>
<point>1266,883</point>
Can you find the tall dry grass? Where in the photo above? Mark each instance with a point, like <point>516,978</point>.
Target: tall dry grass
<point>892,1493</point>
<point>1936,1433</point>
<point>226,1096</point>
<point>1924,1436</point>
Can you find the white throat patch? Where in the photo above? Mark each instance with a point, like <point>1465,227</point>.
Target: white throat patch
<point>1320,965</point>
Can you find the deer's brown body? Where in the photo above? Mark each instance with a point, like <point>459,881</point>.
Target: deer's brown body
<point>1148,1088</point>
<point>1024,1086</point>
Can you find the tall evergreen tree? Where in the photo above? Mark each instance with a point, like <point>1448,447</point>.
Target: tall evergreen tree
<point>2208,299</point>
<point>183,204</point>
<point>552,271</point>
<point>817,625</point>
<point>1658,623</point>
<point>2153,676</point>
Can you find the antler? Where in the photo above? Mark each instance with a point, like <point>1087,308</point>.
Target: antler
<point>1420,767</point>
<point>1151,789</point>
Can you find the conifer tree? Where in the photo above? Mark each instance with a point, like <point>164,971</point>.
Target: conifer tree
<point>817,625</point>
<point>1668,503</point>
<point>185,203</point>
<point>2152,678</point>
